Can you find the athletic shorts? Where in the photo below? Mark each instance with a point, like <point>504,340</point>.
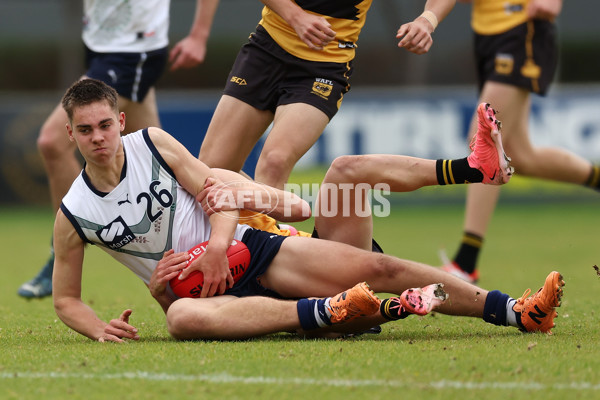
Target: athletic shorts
<point>263,247</point>
<point>266,76</point>
<point>525,56</point>
<point>130,74</point>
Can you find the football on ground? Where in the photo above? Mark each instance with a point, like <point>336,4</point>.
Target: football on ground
<point>238,256</point>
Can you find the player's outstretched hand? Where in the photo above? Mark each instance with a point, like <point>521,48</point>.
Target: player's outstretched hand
<point>416,36</point>
<point>119,328</point>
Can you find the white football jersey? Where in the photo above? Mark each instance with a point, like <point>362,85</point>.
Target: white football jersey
<point>147,213</point>
<point>125,26</point>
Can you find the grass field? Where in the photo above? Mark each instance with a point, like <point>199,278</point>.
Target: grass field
<point>431,357</point>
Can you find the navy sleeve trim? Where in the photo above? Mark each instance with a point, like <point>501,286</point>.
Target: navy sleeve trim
<point>71,218</point>
<point>155,152</point>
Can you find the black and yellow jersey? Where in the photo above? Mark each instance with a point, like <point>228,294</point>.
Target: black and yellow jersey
<point>491,17</point>
<point>268,224</point>
<point>347,18</point>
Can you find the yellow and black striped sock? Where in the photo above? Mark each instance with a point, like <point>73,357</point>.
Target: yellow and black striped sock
<point>594,179</point>
<point>467,254</point>
<point>392,310</point>
<point>450,172</point>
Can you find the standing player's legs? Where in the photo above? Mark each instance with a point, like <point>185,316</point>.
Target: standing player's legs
<point>296,127</point>
<point>62,167</point>
<point>513,105</point>
<point>233,131</point>
<point>140,115</point>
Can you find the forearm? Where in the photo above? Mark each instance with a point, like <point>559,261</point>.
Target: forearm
<point>223,225</point>
<point>279,204</point>
<point>203,18</point>
<point>441,8</point>
<point>286,9</point>
<point>79,317</point>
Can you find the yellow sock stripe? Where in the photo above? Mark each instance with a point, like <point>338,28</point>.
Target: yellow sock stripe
<point>471,241</point>
<point>386,308</point>
<point>593,181</point>
<point>450,172</point>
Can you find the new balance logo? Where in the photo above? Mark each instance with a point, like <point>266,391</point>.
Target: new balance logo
<point>116,234</point>
<point>534,316</point>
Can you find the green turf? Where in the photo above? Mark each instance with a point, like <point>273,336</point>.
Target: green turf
<point>432,357</point>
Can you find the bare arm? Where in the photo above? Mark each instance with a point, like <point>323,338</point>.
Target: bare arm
<point>250,195</point>
<point>415,36</point>
<point>66,287</point>
<point>191,50</point>
<point>315,31</point>
<point>191,173</point>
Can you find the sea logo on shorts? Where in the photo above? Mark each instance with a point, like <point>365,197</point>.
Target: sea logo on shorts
<point>116,234</point>
<point>504,64</point>
<point>238,80</point>
<point>322,87</point>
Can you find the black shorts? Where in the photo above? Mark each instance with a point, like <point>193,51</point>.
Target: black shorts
<point>266,76</point>
<point>525,56</point>
<point>130,74</point>
<point>263,247</point>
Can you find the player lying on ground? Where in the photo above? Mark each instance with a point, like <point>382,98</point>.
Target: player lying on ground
<point>136,199</point>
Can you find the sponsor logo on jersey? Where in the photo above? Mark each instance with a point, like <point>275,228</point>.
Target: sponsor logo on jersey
<point>322,87</point>
<point>116,234</point>
<point>238,80</point>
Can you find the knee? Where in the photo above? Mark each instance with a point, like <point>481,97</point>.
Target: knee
<point>274,167</point>
<point>346,169</point>
<point>180,319</point>
<point>51,145</point>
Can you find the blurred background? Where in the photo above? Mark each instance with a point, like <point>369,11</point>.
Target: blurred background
<point>388,109</point>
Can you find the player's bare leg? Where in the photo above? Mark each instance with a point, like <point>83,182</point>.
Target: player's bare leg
<point>296,128</point>
<point>513,107</point>
<point>340,217</point>
<point>232,133</point>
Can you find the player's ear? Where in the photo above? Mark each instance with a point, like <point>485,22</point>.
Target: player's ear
<point>122,121</point>
<point>70,131</point>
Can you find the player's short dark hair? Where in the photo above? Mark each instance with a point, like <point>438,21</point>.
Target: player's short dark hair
<point>88,91</point>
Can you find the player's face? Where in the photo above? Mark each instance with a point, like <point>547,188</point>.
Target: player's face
<point>96,129</point>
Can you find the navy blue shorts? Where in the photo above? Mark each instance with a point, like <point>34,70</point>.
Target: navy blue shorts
<point>263,247</point>
<point>130,74</point>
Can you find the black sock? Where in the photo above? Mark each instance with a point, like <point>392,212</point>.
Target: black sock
<point>451,172</point>
<point>593,180</point>
<point>467,254</point>
<point>392,310</point>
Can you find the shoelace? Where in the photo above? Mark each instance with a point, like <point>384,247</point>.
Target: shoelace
<point>521,300</point>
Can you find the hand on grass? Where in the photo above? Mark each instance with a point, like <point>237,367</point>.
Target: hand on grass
<point>118,329</point>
